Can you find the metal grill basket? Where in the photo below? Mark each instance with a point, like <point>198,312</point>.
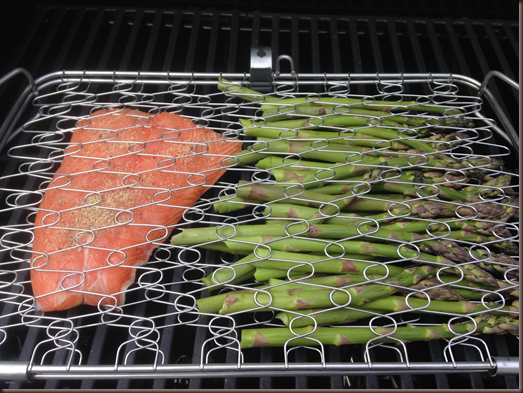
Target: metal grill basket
<point>163,300</point>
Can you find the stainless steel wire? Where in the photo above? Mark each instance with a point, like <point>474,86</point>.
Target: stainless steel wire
<point>165,293</point>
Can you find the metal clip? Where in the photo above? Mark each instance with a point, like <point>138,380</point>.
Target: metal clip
<point>261,69</point>
<point>289,59</point>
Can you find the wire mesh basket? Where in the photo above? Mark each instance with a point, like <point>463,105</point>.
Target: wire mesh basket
<point>312,197</point>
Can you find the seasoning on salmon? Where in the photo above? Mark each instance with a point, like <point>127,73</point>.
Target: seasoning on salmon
<point>125,181</point>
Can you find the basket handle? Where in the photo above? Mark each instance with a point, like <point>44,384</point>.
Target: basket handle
<point>501,76</point>
<point>511,135</point>
<point>17,71</point>
<point>13,115</point>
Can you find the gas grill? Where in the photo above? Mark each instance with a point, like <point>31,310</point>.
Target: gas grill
<point>158,58</point>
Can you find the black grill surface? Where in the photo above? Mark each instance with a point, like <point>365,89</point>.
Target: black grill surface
<point>464,37</point>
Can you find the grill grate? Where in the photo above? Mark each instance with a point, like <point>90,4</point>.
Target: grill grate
<point>161,40</point>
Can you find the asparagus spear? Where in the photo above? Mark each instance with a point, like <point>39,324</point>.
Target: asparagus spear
<point>317,110</point>
<point>416,191</point>
<point>327,282</point>
<point>279,337</point>
<point>309,263</point>
<point>361,164</point>
<point>343,137</point>
<point>213,304</point>
<point>437,225</point>
<point>366,125</point>
<point>192,236</point>
<point>359,102</point>
<point>464,288</point>
<point>391,304</point>
<point>322,316</point>
<point>236,272</point>
<point>233,204</point>
<point>278,193</point>
<point>461,307</point>
<point>399,253</point>
<point>266,274</point>
<point>303,299</point>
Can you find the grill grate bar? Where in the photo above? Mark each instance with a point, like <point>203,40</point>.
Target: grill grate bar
<point>213,43</point>
<point>44,47</point>
<point>153,39</point>
<point>90,41</point>
<point>375,46</point>
<point>436,351</point>
<point>355,45</point>
<point>295,41</point>
<point>108,48</point>
<point>173,41</point>
<point>436,47</point>
<point>275,27</point>
<point>233,42</point>
<point>335,45</point>
<point>96,353</point>
<point>476,381</point>
<point>193,42</point>
<point>71,35</point>
<point>266,357</point>
<point>416,49</point>
<point>396,48</point>
<point>514,42</point>
<point>315,45</point>
<point>500,55</point>
<point>131,40</point>
<point>482,61</point>
<point>457,51</point>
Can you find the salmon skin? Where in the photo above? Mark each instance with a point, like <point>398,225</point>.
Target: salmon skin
<point>124,183</point>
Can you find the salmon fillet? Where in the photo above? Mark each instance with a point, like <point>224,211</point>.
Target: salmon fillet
<point>125,181</point>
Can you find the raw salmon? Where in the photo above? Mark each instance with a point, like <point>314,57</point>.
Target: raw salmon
<point>125,181</point>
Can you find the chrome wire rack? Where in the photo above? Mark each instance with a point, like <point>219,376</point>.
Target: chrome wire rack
<point>162,305</point>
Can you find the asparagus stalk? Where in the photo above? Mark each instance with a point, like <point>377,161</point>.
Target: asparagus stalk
<point>303,299</point>
<point>398,253</point>
<point>440,191</point>
<point>335,171</point>
<point>348,138</point>
<point>360,103</point>
<point>322,316</point>
<point>463,288</point>
<point>461,307</point>
<point>266,274</point>
<point>308,263</point>
<point>296,194</point>
<point>356,102</point>
<point>192,236</point>
<point>233,204</point>
<point>327,282</point>
<point>304,318</point>
<point>279,337</point>
<point>366,125</point>
<point>284,113</point>
<point>222,247</point>
<point>438,225</point>
<point>213,304</point>
<point>236,272</point>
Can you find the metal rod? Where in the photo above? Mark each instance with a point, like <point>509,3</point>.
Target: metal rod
<point>246,370</point>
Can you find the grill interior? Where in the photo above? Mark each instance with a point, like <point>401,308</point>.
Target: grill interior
<point>208,40</point>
